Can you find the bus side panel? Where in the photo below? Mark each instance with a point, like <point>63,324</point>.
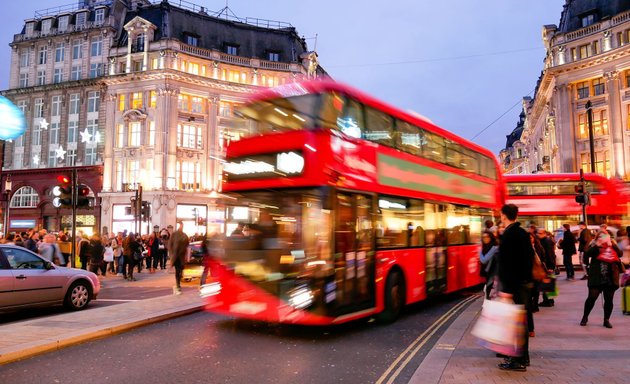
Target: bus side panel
<point>412,263</point>
<point>470,266</point>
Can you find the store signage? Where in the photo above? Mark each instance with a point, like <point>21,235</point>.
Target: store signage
<point>22,224</point>
<point>265,166</point>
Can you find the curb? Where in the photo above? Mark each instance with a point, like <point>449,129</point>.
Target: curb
<point>31,349</point>
<point>433,365</point>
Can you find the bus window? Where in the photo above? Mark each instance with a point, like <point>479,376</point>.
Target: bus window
<point>409,138</point>
<point>379,127</point>
<point>279,115</point>
<point>434,149</point>
<point>393,224</point>
<point>350,121</point>
<point>458,225</point>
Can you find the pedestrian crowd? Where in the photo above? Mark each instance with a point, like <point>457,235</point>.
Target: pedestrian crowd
<point>112,254</point>
<point>520,266</point>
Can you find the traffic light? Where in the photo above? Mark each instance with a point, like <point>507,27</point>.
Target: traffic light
<point>83,201</point>
<point>146,210</point>
<point>582,196</point>
<point>63,192</point>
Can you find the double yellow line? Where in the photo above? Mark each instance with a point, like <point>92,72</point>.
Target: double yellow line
<point>419,342</point>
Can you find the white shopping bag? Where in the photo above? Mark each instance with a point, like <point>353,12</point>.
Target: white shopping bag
<point>500,327</point>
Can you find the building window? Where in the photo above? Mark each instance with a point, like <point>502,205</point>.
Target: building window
<point>231,49</point>
<point>77,53</point>
<point>55,106</point>
<point>90,156</point>
<point>99,16</point>
<point>39,108</point>
<point>73,128</point>
<point>602,162</point>
<point>46,26</point>
<point>599,87</point>
<point>583,51</point>
<point>600,123</point>
<point>192,40</point>
<point>588,20</point>
<point>93,101</point>
<point>133,172</point>
<point>582,90</point>
<point>121,102</point>
<point>62,24</point>
<point>182,102</point>
<point>54,133</point>
<point>135,129</point>
<point>193,68</point>
<point>25,197</point>
<point>23,80</point>
<point>75,74</point>
<point>43,53</point>
<point>189,136</point>
<point>596,48</point>
<point>73,105</point>
<point>58,76</point>
<point>273,56</point>
<point>52,158</point>
<point>96,47</point>
<point>96,70</point>
<point>153,99</point>
<point>188,175</point>
<point>60,50</point>
<point>80,20</point>
<point>71,157</point>
<point>30,27</point>
<point>41,77</point>
<point>139,43</point>
<point>196,104</point>
<point>136,100</point>
<point>24,59</point>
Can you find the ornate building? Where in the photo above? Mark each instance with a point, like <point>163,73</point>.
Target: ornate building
<point>139,97</point>
<point>587,61</point>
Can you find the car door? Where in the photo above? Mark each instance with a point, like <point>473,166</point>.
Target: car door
<point>6,283</point>
<point>33,283</point>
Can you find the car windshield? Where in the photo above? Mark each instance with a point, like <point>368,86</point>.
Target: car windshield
<point>276,234</point>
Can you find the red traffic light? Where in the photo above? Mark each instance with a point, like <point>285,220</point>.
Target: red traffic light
<point>579,188</point>
<point>83,190</point>
<point>63,179</point>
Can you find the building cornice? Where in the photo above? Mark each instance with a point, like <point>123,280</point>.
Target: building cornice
<point>595,61</point>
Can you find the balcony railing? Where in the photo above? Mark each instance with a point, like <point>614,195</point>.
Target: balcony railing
<point>108,22</point>
<point>583,32</point>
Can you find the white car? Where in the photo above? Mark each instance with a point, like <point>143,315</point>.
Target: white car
<point>28,280</point>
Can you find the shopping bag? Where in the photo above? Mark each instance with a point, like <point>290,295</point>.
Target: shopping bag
<point>548,284</point>
<point>501,327</point>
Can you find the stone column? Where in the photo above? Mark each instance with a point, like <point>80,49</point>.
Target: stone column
<point>110,139</point>
<point>615,125</point>
<point>145,54</point>
<point>565,133</point>
<point>129,46</point>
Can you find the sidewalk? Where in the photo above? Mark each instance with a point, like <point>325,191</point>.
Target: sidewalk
<point>562,351</point>
<point>24,339</point>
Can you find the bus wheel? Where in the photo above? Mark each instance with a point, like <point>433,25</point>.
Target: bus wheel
<point>394,298</point>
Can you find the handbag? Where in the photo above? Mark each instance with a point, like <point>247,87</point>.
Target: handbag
<point>137,256</point>
<point>501,327</point>
<point>539,272</point>
<point>548,284</point>
<point>108,255</point>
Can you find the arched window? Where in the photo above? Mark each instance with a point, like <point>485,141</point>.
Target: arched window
<point>25,197</point>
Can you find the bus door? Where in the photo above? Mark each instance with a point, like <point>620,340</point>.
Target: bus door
<point>353,254</point>
<point>435,242</point>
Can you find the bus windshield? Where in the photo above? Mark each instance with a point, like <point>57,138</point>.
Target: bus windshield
<point>277,234</point>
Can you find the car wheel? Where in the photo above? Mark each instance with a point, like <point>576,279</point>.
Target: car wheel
<point>78,296</point>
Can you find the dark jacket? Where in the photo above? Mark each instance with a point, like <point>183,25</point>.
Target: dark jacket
<point>96,252</point>
<point>516,258</point>
<point>549,256</point>
<point>600,273</point>
<point>568,243</point>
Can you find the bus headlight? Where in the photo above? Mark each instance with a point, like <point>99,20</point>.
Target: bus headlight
<point>210,289</point>
<point>301,297</point>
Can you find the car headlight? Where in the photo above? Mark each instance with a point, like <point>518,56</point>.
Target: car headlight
<point>301,297</point>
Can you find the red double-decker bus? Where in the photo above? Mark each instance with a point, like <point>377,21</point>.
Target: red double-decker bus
<point>548,201</point>
<point>346,207</point>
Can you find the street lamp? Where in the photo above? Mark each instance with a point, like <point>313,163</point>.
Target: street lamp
<point>589,117</point>
<point>7,191</point>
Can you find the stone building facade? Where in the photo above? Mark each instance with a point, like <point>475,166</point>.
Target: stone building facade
<point>157,86</point>
<point>587,63</point>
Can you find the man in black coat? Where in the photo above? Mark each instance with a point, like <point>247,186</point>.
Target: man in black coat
<point>516,258</point>
<point>568,250</point>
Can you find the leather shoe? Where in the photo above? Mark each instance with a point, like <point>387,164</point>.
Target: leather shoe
<point>545,304</point>
<point>607,324</point>
<point>512,365</point>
